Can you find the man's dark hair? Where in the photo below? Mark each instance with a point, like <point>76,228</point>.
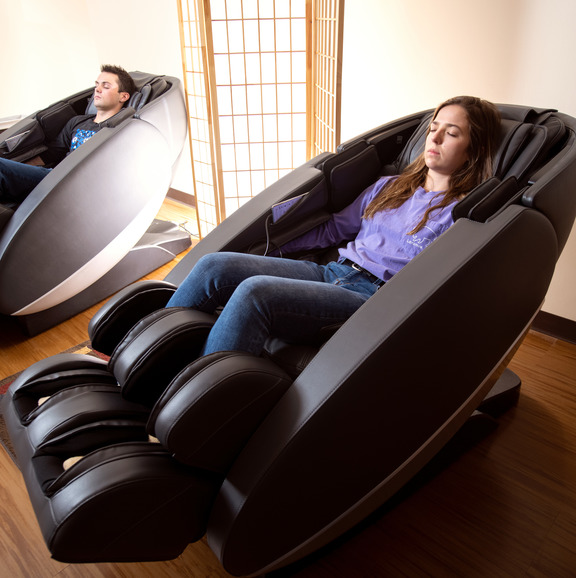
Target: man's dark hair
<point>125,82</point>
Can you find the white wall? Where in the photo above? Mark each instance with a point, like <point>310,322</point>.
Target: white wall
<point>544,76</point>
<point>401,56</point>
<point>47,52</point>
<point>53,49</point>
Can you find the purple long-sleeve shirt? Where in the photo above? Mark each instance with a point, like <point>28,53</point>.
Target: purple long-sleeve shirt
<point>381,244</point>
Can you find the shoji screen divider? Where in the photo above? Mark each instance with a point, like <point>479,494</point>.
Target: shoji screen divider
<point>262,79</point>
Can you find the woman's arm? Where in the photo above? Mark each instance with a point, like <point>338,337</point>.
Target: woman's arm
<point>342,226</point>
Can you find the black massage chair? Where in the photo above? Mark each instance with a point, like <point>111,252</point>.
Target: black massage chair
<point>89,228</point>
<point>273,457</point>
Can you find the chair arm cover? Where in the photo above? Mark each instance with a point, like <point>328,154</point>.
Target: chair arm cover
<point>552,190</point>
<point>121,312</point>
<point>157,349</point>
<point>214,405</point>
<point>491,194</point>
<point>168,114</point>
<point>378,400</point>
<point>120,117</point>
<point>93,195</point>
<point>6,213</point>
<point>23,141</point>
<point>123,503</point>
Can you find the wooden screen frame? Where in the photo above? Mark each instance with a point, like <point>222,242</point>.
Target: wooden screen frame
<point>318,126</point>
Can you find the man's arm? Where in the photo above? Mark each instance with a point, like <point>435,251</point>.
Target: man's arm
<point>59,147</point>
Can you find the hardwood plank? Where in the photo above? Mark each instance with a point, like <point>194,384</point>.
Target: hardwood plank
<point>22,549</point>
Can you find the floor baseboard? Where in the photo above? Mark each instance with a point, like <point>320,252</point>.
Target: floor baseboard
<point>181,197</point>
<point>555,326</point>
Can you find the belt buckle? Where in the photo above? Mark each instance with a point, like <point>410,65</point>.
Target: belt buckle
<point>372,278</point>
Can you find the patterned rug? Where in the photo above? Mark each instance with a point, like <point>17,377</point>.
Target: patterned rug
<point>83,348</point>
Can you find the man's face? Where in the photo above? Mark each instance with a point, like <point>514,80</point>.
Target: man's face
<point>107,97</point>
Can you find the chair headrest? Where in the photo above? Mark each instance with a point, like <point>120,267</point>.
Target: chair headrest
<point>153,88</point>
<point>140,97</point>
<point>527,135</point>
<point>135,101</point>
<point>414,146</point>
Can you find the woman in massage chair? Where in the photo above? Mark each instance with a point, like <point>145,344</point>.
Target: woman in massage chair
<point>391,222</point>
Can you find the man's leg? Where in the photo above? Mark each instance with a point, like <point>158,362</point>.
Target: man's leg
<point>17,180</point>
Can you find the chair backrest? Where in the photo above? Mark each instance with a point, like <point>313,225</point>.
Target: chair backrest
<point>52,119</point>
<point>527,138</point>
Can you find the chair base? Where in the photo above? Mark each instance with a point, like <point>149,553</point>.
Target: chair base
<point>481,424</point>
<point>503,395</point>
<point>159,245</point>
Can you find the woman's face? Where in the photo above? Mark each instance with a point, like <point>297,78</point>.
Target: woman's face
<point>448,141</point>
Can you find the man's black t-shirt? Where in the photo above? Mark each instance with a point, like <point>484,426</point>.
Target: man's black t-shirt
<point>76,132</point>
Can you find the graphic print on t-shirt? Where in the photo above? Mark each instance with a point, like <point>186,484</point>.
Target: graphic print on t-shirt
<point>80,137</point>
<point>422,238</point>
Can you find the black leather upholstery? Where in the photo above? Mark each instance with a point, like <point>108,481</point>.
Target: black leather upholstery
<point>114,319</point>
<point>214,405</point>
<point>174,335</point>
<point>274,457</point>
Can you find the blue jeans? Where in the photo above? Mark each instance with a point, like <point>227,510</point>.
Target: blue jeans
<point>269,296</point>
<point>18,179</point>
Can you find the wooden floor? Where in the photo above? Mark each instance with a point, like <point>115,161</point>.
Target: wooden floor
<point>506,508</point>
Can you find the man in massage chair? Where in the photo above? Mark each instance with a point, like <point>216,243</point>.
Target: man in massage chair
<point>112,90</point>
<point>390,223</point>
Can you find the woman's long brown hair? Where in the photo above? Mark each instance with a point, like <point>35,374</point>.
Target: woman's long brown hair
<point>484,121</point>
